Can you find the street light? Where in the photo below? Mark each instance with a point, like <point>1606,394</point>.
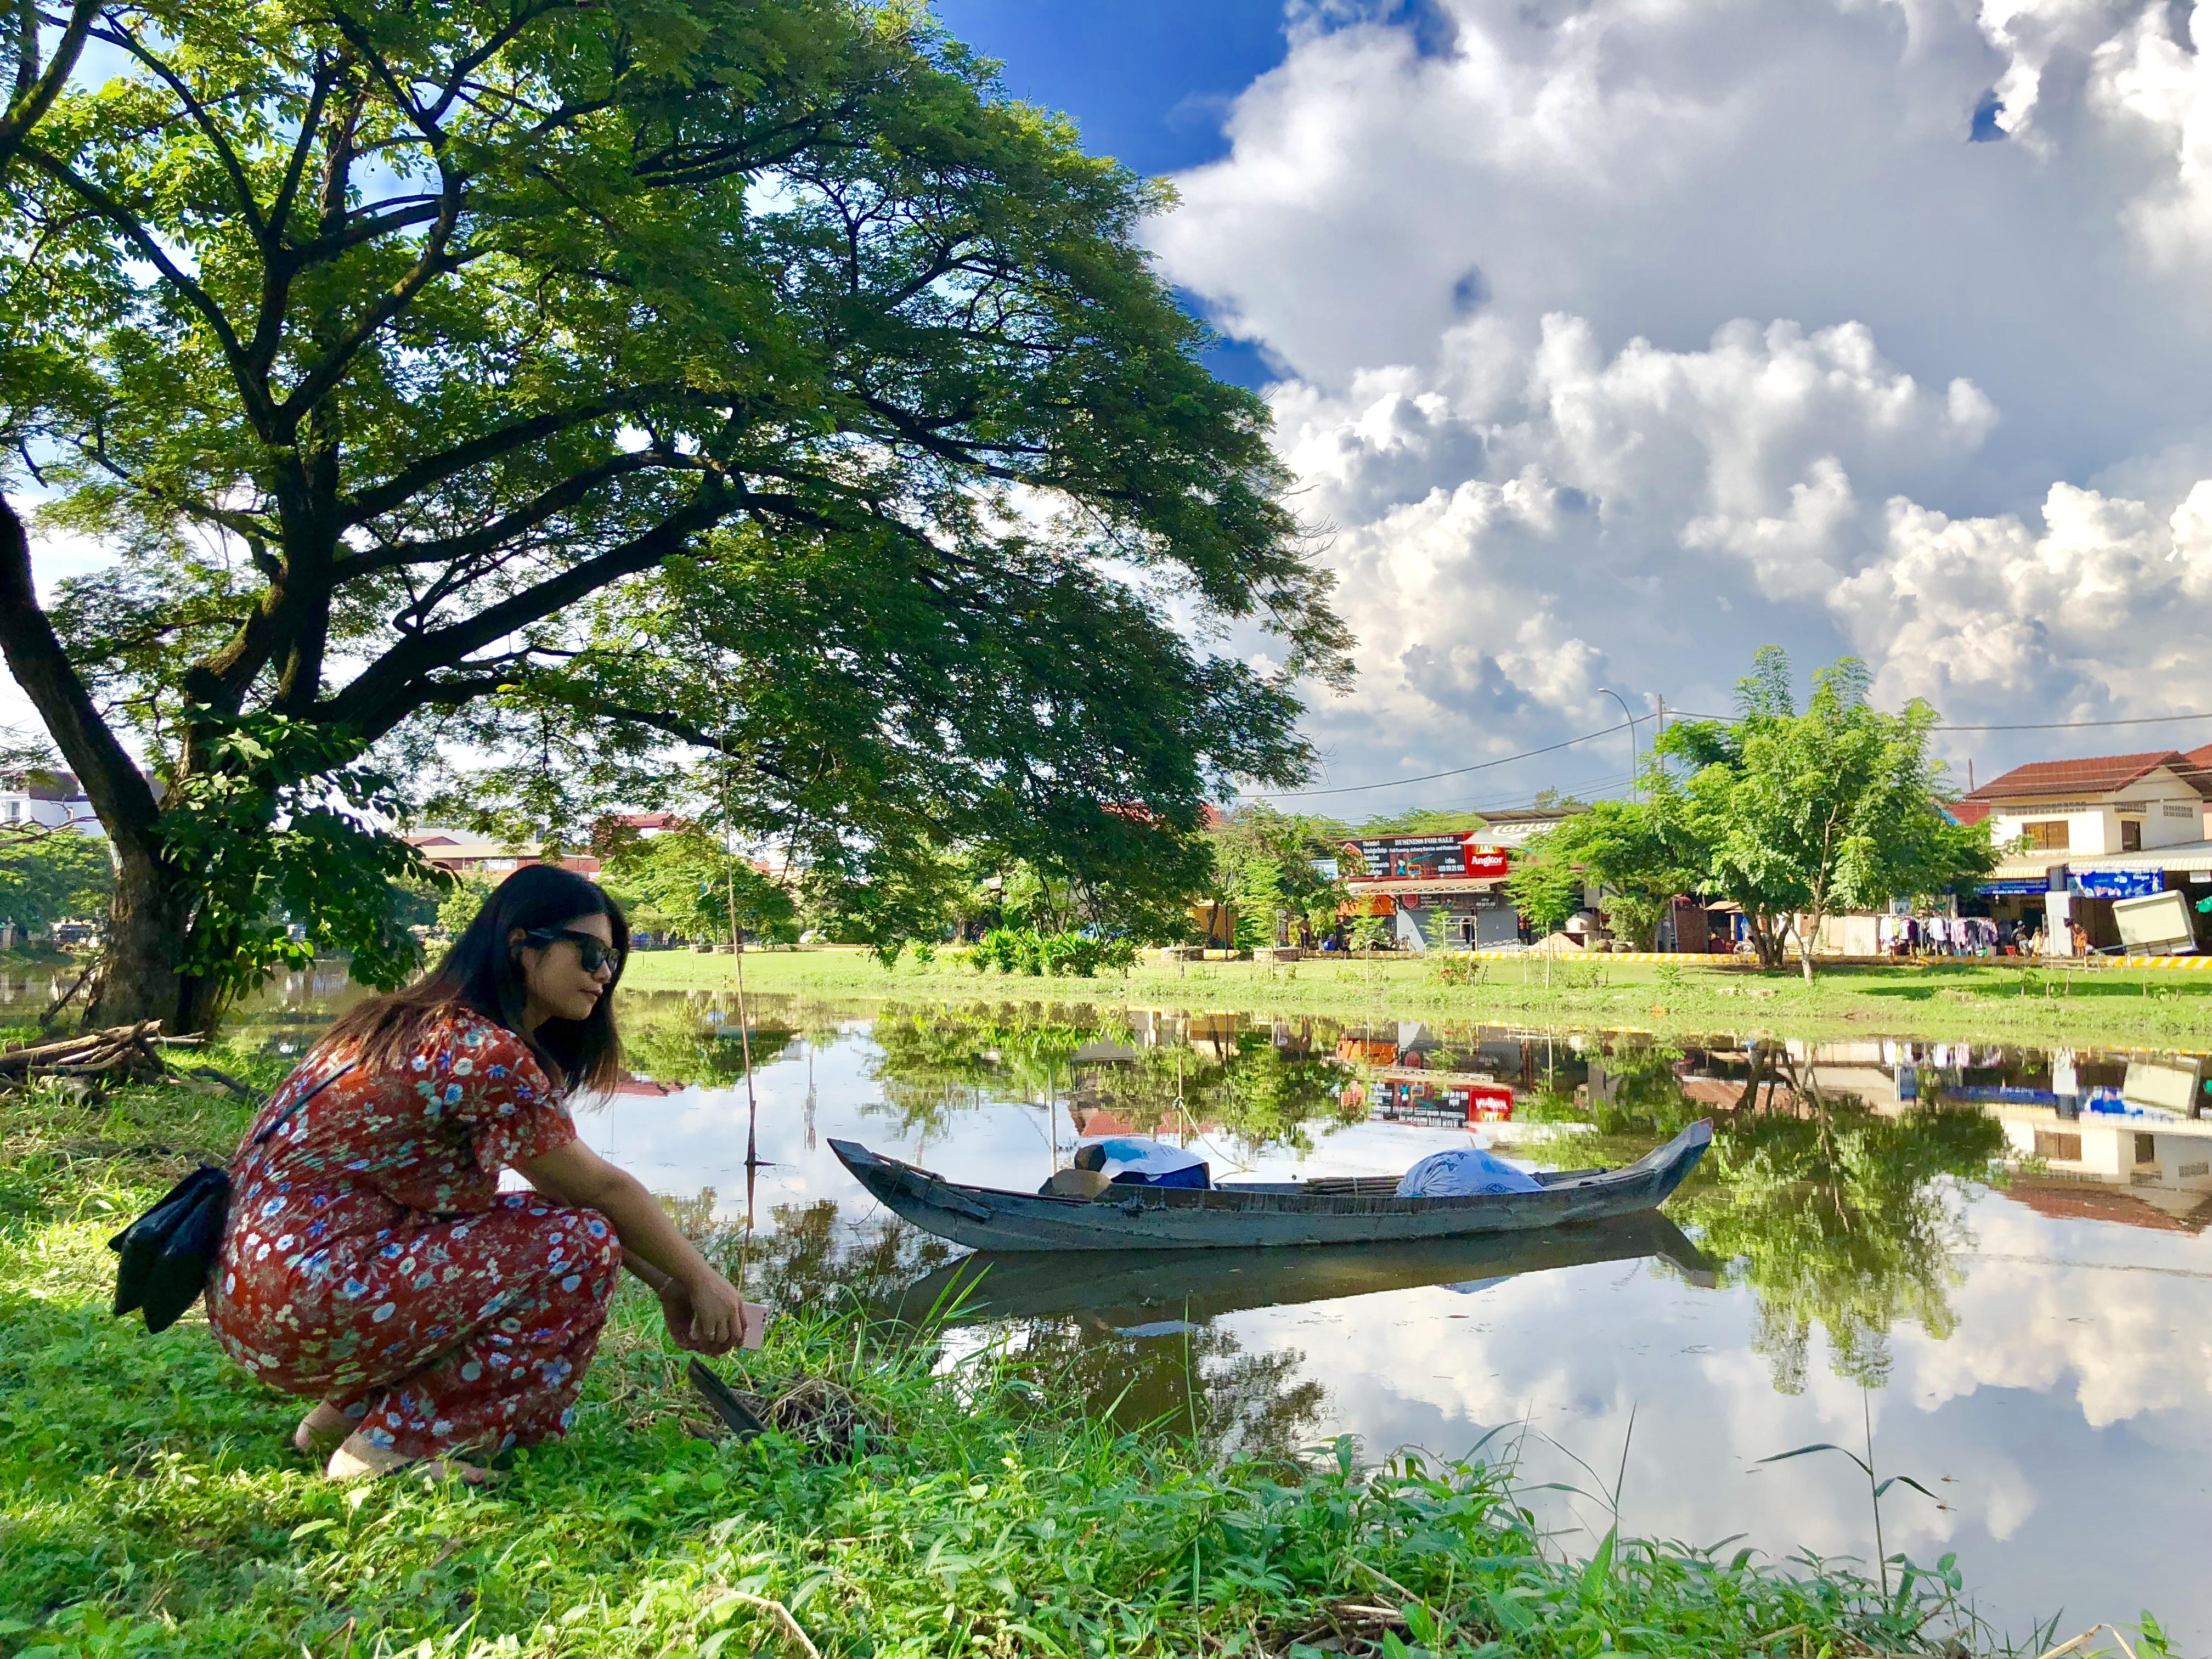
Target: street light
<point>1607,691</point>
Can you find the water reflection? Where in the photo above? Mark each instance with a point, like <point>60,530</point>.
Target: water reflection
<point>1153,1292</point>
<point>1903,1217</point>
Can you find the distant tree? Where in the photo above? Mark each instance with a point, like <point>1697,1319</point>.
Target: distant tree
<point>1268,865</point>
<point>1425,821</point>
<point>459,907</point>
<point>48,873</point>
<point>1640,856</point>
<point>1548,800</point>
<point>912,899</point>
<point>1035,898</point>
<point>1801,815</point>
<point>53,875</point>
<point>415,902</point>
<point>686,883</point>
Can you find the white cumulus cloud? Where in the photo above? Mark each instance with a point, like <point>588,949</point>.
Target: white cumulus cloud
<point>1623,338</point>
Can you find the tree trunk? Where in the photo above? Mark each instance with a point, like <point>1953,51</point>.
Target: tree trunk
<point>1760,1056</point>
<point>138,978</point>
<point>1766,939</point>
<point>146,926</point>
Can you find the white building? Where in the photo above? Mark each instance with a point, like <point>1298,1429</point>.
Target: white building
<point>2065,811</point>
<point>55,799</point>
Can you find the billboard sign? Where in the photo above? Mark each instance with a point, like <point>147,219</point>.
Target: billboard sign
<point>1384,858</point>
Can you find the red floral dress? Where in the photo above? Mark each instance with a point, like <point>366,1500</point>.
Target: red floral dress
<point>371,1260</point>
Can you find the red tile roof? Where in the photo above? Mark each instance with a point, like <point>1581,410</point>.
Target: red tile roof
<point>2069,1200</point>
<point>1968,811</point>
<point>2097,774</point>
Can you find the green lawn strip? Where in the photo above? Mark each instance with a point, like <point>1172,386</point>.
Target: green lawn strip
<point>1963,1001</point>
<point>152,1504</point>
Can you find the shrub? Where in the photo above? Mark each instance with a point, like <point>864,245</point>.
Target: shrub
<point>1023,950</point>
<point>1006,949</point>
<point>1076,954</point>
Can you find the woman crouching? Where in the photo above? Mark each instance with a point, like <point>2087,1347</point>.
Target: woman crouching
<point>371,1262</point>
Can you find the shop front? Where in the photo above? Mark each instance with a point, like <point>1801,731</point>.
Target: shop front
<point>2082,894</point>
<point>1440,892</point>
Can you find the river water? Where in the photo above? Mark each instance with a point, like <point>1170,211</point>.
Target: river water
<point>1991,1258</point>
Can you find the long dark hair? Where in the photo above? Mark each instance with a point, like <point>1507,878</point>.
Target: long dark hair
<point>483,973</point>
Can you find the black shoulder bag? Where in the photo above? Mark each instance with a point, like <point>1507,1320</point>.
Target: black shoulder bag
<point>167,1253</point>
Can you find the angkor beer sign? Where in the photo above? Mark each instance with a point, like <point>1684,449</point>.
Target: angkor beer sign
<point>1385,858</point>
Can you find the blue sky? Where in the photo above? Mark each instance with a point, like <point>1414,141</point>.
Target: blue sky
<point>1608,341</point>
<point>1147,81</point>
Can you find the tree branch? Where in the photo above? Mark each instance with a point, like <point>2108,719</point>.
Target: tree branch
<point>488,539</point>
<point>251,394</point>
<point>35,93</point>
<point>396,491</point>
<point>295,167</point>
<point>118,791</point>
<point>434,261</point>
<point>119,36</point>
<point>394,685</point>
<point>498,42</point>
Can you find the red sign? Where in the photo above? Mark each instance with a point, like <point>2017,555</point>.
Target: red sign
<point>1489,1103</point>
<point>1485,863</point>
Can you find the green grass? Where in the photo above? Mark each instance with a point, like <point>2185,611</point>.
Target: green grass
<point>150,1504</point>
<point>1964,999</point>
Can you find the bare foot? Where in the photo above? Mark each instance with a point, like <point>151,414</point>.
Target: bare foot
<point>361,1460</point>
<point>319,1432</point>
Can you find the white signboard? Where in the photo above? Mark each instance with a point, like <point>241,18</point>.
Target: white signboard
<point>2155,923</point>
<point>2169,1088</point>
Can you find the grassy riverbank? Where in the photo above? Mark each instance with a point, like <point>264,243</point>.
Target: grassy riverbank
<point>149,1503</point>
<point>1970,1000</point>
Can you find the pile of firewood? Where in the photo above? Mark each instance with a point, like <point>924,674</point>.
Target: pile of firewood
<point>121,1054</point>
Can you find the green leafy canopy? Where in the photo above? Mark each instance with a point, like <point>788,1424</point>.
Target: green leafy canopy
<point>525,393</point>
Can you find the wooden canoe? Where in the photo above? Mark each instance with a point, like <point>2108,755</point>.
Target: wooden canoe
<point>1137,1292</point>
<point>1262,1214</point>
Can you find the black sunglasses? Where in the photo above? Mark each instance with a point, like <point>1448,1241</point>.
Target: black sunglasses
<point>591,952</point>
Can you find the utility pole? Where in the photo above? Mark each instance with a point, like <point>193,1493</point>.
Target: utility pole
<point>1628,714</point>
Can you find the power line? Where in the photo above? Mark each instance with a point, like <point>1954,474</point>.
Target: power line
<point>1430,777</point>
<point>2065,725</point>
<point>1682,714</point>
<point>1598,786</point>
<point>2024,726</point>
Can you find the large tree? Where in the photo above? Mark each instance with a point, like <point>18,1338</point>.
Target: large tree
<point>747,375</point>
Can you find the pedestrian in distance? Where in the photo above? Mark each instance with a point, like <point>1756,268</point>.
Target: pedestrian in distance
<point>372,1264</point>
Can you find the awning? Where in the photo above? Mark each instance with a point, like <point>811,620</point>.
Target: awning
<point>2184,856</point>
<point>2103,875</point>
